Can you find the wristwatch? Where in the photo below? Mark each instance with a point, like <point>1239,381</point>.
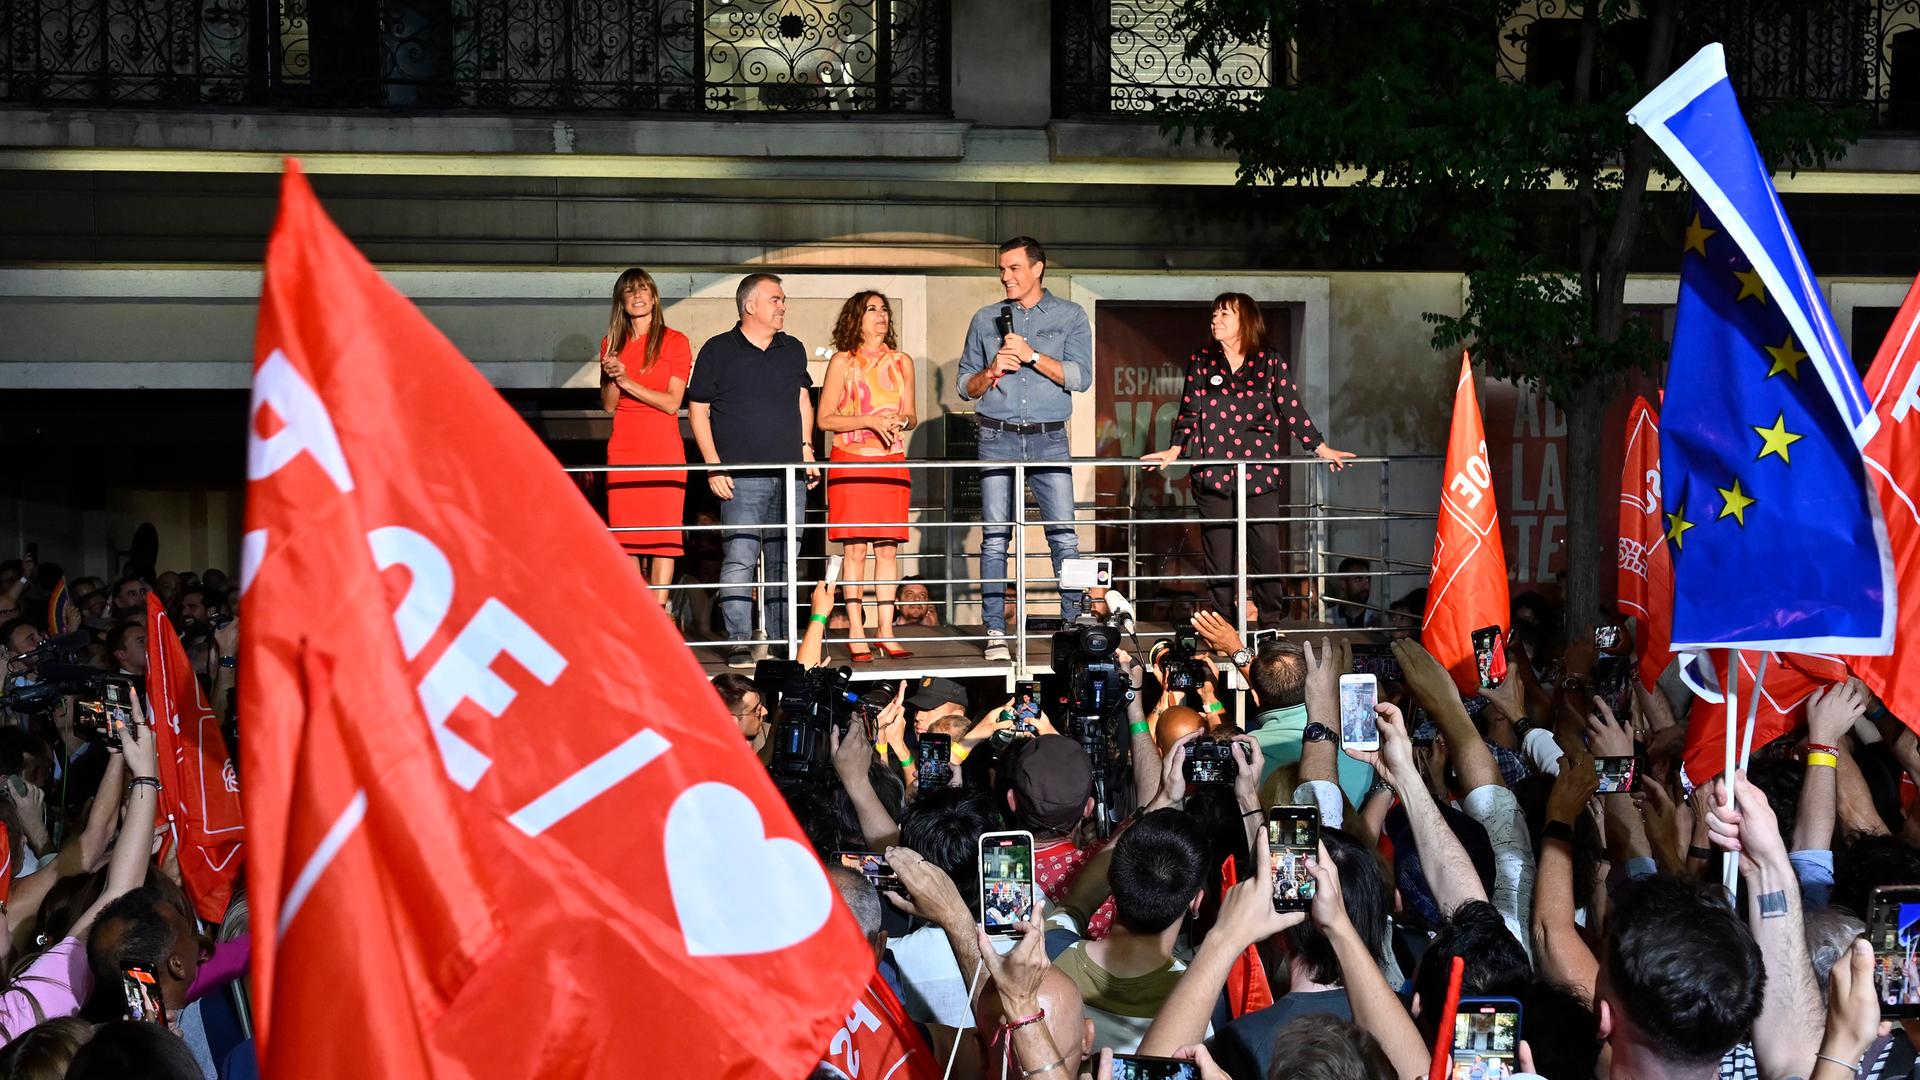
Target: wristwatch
<point>1242,656</point>
<point>1317,732</point>
<point>1032,357</point>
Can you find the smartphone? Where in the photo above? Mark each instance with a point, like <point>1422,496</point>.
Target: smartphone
<point>873,866</point>
<point>142,995</point>
<point>1488,657</point>
<point>1007,890</point>
<point>1618,775</point>
<point>1293,834</point>
<point>834,562</point>
<point>1606,637</point>
<point>1258,640</point>
<point>936,760</point>
<point>1137,1067</point>
<point>1486,1038</point>
<point>1026,707</point>
<point>116,695</point>
<point>1359,726</point>
<point>1086,573</point>
<point>1893,929</point>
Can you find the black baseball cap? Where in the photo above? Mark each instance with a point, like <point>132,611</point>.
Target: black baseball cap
<point>935,692</point>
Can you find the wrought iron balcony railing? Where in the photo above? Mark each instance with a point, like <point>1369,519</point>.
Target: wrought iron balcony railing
<point>619,56</point>
<point>1121,57</point>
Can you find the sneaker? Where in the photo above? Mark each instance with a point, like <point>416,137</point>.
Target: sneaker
<point>997,647</point>
<point>739,657</point>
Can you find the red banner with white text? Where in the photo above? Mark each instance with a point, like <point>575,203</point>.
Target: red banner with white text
<point>200,789</point>
<point>1893,458</point>
<point>500,825</point>
<point>1468,590</point>
<point>1645,574</point>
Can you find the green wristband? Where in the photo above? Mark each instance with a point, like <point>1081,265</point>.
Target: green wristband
<point>1217,706</point>
<point>1138,727</point>
<point>817,617</point>
<point>905,758</point>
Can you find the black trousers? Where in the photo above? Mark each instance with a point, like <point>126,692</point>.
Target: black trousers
<point>1218,515</point>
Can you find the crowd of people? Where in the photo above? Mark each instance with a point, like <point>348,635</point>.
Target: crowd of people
<point>1471,856</point>
<point>750,403</point>
<point>110,971</point>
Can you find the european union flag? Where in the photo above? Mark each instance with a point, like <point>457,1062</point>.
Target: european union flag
<point>1776,534</point>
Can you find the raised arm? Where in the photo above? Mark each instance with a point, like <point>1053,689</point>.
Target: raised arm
<point>127,870</point>
<point>1376,1008</point>
<point>1449,870</point>
<point>82,853</point>
<point>1433,688</point>
<point>852,760</point>
<point>1558,949</point>
<point>1786,1037</point>
<point>1830,715</point>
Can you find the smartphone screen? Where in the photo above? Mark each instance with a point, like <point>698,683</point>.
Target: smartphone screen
<point>142,995</point>
<point>116,696</point>
<point>936,759</point>
<point>1486,1039</point>
<point>873,866</point>
<point>1026,706</point>
<point>1488,657</point>
<point>1293,833</point>
<point>1006,881</point>
<point>1606,637</point>
<point>1135,1067</point>
<point>1617,774</point>
<point>1359,726</point>
<point>1893,928</point>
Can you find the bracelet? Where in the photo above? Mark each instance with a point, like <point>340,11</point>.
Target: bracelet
<point>817,617</point>
<point>880,748</point>
<point>1138,727</point>
<point>1821,757</point>
<point>1695,851</point>
<point>1016,1025</point>
<point>960,755</point>
<point>1250,813</point>
<point>153,780</point>
<point>1822,748</point>
<point>1853,1068</point>
<point>1557,830</point>
<point>905,758</point>
<point>1057,1063</point>
<point>1216,706</point>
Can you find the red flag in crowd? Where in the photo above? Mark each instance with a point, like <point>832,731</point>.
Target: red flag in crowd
<point>880,1041</point>
<point>1468,590</point>
<point>1646,566</point>
<point>1893,457</point>
<point>1247,988</point>
<point>500,824</point>
<point>201,790</point>
<point>1790,679</point>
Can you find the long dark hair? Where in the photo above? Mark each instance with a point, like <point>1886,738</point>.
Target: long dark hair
<point>847,329</point>
<point>619,326</point>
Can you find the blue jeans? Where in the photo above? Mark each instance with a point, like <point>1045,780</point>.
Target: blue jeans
<point>1053,488</point>
<point>756,501</point>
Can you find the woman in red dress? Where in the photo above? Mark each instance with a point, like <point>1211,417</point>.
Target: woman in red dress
<point>643,375</point>
<point>866,401</point>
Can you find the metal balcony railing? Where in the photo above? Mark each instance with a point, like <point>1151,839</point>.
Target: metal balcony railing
<point>642,56</point>
<point>1308,529</point>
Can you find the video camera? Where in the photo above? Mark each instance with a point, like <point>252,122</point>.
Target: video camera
<point>1096,689</point>
<point>60,670</point>
<point>1181,654</point>
<point>809,702</point>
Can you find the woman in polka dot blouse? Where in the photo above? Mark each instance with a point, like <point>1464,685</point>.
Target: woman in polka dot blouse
<point>1239,403</point>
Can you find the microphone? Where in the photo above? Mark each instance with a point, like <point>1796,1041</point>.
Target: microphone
<point>1119,607</point>
<point>1005,321</point>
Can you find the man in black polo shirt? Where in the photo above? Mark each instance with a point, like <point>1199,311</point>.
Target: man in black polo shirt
<point>749,405</point>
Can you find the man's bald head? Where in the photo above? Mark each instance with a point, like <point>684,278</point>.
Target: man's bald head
<point>1066,1018</point>
<point>1176,722</point>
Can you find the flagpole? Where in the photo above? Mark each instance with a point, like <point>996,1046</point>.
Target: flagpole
<point>1730,861</point>
<point>1753,708</point>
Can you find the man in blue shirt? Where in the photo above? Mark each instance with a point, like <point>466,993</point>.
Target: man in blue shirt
<point>1024,359</point>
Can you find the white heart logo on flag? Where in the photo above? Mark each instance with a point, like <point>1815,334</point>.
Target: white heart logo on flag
<point>723,869</point>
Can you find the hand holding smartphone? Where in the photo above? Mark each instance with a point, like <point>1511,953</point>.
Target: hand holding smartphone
<point>1486,1039</point>
<point>1138,1067</point>
<point>1008,893</point>
<point>1293,836</point>
<point>1359,724</point>
<point>936,760</point>
<point>1893,929</point>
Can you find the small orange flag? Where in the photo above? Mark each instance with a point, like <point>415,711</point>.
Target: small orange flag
<point>1468,590</point>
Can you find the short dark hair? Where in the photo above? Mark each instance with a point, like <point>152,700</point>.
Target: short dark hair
<point>1491,955</point>
<point>122,583</point>
<point>1354,564</point>
<point>8,628</point>
<point>944,827</point>
<point>1035,253</point>
<point>1683,969</point>
<point>147,942</point>
<point>1363,892</point>
<point>733,688</point>
<point>1320,1047</point>
<point>1280,675</point>
<point>133,1050</point>
<point>45,1050</point>
<point>1158,866</point>
<point>117,637</point>
<point>747,285</point>
<point>1546,1005</point>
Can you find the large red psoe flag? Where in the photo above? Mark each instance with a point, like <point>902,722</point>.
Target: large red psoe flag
<point>1893,459</point>
<point>200,790</point>
<point>1645,582</point>
<point>1468,590</point>
<point>499,824</point>
<point>1789,679</point>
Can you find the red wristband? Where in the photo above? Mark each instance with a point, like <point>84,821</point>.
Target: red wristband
<point>1015,1025</point>
<point>1819,748</point>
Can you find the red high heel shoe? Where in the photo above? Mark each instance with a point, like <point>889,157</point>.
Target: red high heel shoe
<point>894,652</point>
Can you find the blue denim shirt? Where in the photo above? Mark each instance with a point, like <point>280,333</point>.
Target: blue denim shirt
<point>1058,329</point>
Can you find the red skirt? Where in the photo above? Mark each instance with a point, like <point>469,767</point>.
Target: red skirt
<point>858,495</point>
<point>647,436</point>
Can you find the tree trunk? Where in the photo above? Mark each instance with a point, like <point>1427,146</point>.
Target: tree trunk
<point>1586,404</point>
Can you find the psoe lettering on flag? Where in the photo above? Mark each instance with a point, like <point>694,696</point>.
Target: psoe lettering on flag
<point>1468,590</point>
<point>499,823</point>
<point>1645,575</point>
<point>1777,538</point>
